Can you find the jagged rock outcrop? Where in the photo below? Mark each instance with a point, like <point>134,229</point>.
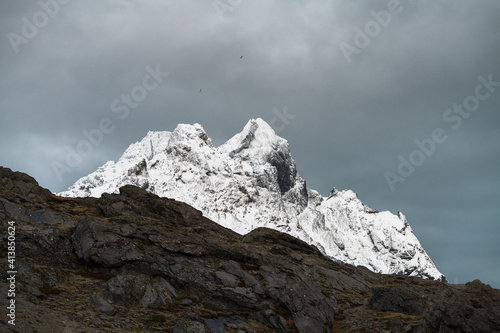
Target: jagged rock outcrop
<point>133,261</point>
<point>251,181</point>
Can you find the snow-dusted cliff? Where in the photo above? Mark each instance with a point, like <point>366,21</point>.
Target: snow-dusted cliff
<point>251,181</point>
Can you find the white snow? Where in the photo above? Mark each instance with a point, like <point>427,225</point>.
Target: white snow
<point>251,181</point>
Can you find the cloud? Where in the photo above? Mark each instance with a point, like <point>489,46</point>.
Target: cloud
<point>352,120</point>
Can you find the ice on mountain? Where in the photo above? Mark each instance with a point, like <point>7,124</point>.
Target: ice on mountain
<point>251,181</point>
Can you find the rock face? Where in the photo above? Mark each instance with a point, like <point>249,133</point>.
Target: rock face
<point>251,181</point>
<point>135,262</point>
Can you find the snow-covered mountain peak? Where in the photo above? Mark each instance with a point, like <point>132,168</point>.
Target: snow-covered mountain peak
<point>262,133</point>
<point>251,181</point>
<point>153,142</point>
<point>258,146</point>
<point>193,135</point>
<point>256,136</point>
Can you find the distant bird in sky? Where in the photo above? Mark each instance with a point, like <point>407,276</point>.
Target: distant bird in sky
<point>241,57</point>
<point>200,90</point>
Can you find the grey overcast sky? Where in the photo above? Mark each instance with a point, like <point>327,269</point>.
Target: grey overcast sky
<point>350,84</point>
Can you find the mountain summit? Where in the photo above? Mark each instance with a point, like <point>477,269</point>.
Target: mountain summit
<point>251,181</point>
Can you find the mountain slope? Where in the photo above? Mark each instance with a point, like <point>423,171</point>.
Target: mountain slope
<point>251,181</point>
<point>135,262</point>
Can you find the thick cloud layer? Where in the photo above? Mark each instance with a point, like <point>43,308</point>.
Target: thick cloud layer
<point>363,91</point>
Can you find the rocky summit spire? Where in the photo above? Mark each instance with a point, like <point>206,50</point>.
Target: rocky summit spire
<point>256,134</point>
<point>251,181</point>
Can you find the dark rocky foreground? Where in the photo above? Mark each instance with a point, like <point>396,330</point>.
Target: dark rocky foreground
<point>135,262</point>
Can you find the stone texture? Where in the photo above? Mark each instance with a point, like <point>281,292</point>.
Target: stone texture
<point>136,260</point>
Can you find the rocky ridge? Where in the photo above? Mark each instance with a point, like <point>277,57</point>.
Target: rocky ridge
<point>135,262</point>
<point>251,181</point>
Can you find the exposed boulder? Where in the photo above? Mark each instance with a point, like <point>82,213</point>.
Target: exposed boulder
<point>21,188</point>
<point>270,236</point>
<point>132,289</point>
